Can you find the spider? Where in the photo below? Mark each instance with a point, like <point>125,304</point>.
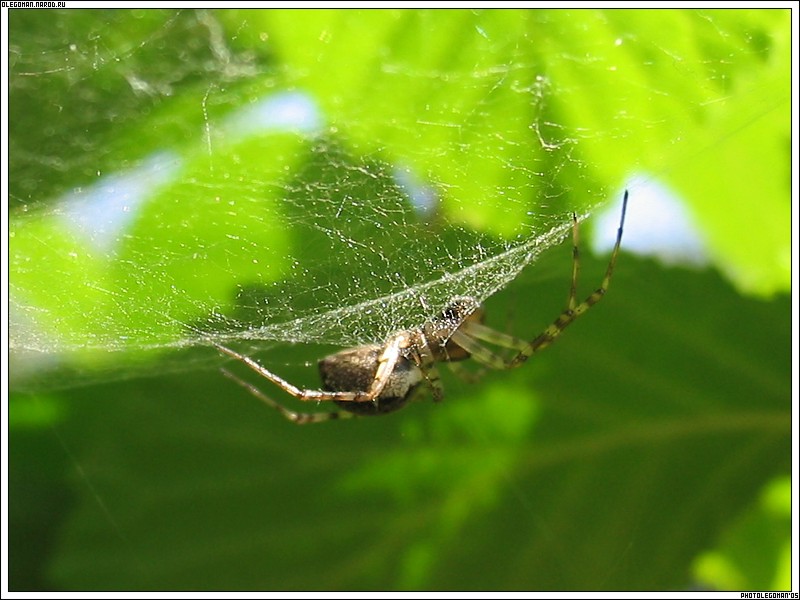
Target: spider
<point>378,379</point>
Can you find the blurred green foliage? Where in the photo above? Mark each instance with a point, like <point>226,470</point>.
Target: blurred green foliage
<point>613,461</point>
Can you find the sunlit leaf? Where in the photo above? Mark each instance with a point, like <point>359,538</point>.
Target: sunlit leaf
<point>328,177</point>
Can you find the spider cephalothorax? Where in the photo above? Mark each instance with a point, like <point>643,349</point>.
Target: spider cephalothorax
<point>381,378</point>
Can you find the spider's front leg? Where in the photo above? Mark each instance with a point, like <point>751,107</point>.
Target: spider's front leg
<point>472,332</point>
<point>573,310</point>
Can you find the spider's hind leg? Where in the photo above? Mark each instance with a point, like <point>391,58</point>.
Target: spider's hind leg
<point>301,418</point>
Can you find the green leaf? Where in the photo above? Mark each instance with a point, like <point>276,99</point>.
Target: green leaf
<point>609,462</point>
<point>755,554</point>
<point>612,461</point>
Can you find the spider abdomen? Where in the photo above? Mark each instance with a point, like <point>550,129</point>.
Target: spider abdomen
<point>354,371</point>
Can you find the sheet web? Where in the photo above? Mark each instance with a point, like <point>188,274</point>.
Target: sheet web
<point>175,178</point>
<point>261,216</point>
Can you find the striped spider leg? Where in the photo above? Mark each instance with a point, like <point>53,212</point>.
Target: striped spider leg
<point>470,335</point>
<point>378,379</point>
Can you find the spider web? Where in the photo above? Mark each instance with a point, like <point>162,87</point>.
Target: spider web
<point>277,180</point>
<point>272,177</point>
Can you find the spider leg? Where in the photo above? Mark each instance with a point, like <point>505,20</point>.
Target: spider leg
<point>478,351</point>
<point>492,336</point>
<point>386,366</point>
<point>424,361</point>
<point>576,264</point>
<point>471,333</point>
<point>468,375</point>
<point>301,418</point>
<point>573,311</point>
<point>301,394</point>
<point>431,375</point>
